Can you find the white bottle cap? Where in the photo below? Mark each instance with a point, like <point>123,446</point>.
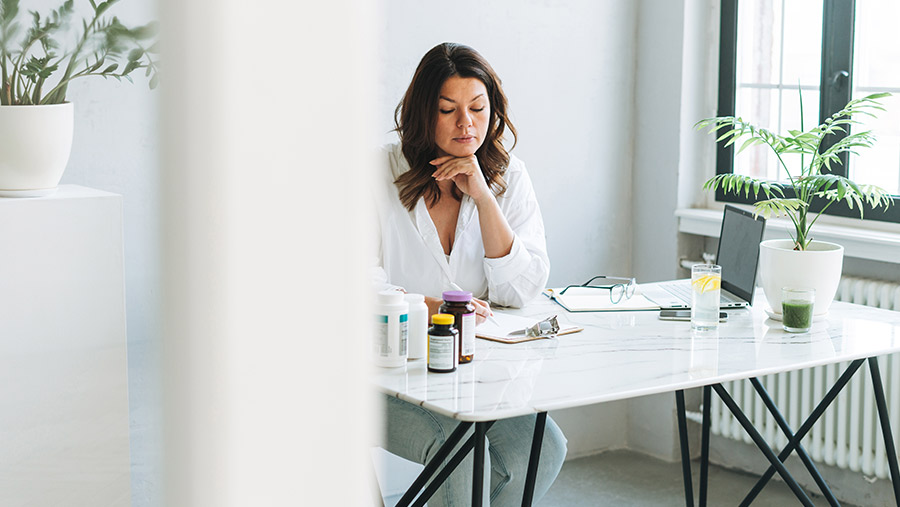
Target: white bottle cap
<point>390,297</point>
<point>415,298</point>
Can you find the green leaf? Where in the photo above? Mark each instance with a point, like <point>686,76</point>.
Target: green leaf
<point>130,66</point>
<point>778,207</point>
<point>154,81</point>
<point>146,31</point>
<point>876,96</point>
<point>110,68</point>
<point>135,54</point>
<point>726,135</point>
<point>102,7</point>
<point>749,142</point>
<point>9,9</point>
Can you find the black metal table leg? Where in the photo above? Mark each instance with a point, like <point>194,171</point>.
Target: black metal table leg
<point>685,450</point>
<point>433,465</point>
<point>447,470</point>
<point>788,432</point>
<point>478,468</point>
<point>891,451</point>
<point>704,445</point>
<point>533,460</point>
<point>804,428</point>
<point>762,445</point>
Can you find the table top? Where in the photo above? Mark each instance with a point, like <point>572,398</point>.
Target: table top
<point>622,355</point>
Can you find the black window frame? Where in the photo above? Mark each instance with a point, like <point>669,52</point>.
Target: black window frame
<point>835,86</point>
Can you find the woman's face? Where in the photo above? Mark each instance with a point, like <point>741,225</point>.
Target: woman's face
<point>464,113</point>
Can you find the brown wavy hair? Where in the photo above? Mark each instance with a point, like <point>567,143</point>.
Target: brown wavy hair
<point>416,120</point>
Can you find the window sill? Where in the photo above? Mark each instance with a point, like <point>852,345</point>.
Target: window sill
<point>857,242</point>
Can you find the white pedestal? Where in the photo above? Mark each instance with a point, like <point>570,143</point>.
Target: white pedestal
<point>63,370</point>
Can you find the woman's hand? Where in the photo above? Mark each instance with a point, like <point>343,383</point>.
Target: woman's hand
<point>482,310</point>
<point>465,173</point>
<point>496,234</point>
<point>434,306</point>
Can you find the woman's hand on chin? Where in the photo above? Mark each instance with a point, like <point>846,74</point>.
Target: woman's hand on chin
<point>465,173</point>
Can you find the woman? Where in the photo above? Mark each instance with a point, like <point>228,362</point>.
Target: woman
<point>458,211</point>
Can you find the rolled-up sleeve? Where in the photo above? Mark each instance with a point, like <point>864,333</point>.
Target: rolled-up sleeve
<point>516,278</point>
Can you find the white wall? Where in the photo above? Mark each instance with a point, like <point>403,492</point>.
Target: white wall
<point>567,70</point>
<point>656,138</point>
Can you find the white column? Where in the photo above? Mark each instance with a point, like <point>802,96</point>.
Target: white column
<point>63,369</point>
<point>267,114</point>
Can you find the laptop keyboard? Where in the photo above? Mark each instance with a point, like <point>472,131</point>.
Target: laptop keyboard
<point>683,291</point>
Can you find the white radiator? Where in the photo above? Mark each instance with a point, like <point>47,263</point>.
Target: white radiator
<point>848,434</point>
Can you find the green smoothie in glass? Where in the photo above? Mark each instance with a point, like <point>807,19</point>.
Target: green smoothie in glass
<point>797,309</point>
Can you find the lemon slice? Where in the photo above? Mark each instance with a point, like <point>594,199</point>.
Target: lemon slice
<point>706,283</point>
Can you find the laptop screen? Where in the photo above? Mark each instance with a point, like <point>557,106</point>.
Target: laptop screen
<point>738,252</point>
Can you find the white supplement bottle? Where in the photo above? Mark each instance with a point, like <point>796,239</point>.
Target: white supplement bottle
<point>418,325</point>
<point>389,345</point>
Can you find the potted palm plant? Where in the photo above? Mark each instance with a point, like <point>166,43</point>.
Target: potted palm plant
<point>38,61</point>
<point>801,261</point>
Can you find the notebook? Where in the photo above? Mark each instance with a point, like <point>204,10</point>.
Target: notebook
<point>738,254</point>
<point>586,299</point>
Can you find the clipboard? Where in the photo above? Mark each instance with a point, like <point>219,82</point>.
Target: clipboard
<point>586,299</point>
<point>505,323</point>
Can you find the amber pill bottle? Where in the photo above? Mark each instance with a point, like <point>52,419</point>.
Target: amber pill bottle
<point>442,344</point>
<point>459,304</point>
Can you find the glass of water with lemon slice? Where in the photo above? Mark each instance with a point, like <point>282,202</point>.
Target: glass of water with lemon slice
<point>706,282</point>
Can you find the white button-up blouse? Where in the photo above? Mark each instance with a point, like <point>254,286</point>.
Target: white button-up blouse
<point>410,254</point>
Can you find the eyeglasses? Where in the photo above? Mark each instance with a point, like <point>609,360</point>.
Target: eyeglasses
<point>617,291</point>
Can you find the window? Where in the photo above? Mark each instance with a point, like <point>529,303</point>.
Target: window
<point>830,51</point>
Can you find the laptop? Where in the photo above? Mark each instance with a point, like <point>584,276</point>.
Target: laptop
<point>738,254</point>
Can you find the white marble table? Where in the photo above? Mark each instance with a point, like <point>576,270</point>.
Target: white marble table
<point>630,354</point>
<point>622,355</point>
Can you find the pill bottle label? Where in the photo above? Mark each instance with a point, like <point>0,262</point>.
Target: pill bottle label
<point>404,333</point>
<point>380,346</point>
<point>468,334</point>
<point>441,352</point>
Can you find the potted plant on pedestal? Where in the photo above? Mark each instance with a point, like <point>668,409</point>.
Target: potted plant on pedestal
<point>801,261</point>
<point>38,61</point>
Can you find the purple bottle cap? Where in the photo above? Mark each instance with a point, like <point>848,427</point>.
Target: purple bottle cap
<point>457,296</point>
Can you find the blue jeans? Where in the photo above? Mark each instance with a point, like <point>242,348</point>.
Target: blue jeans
<point>416,434</point>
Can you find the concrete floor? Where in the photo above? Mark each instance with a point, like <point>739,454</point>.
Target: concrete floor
<point>626,478</point>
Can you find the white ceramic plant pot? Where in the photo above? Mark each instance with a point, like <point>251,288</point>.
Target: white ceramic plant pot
<point>35,142</point>
<point>818,267</point>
